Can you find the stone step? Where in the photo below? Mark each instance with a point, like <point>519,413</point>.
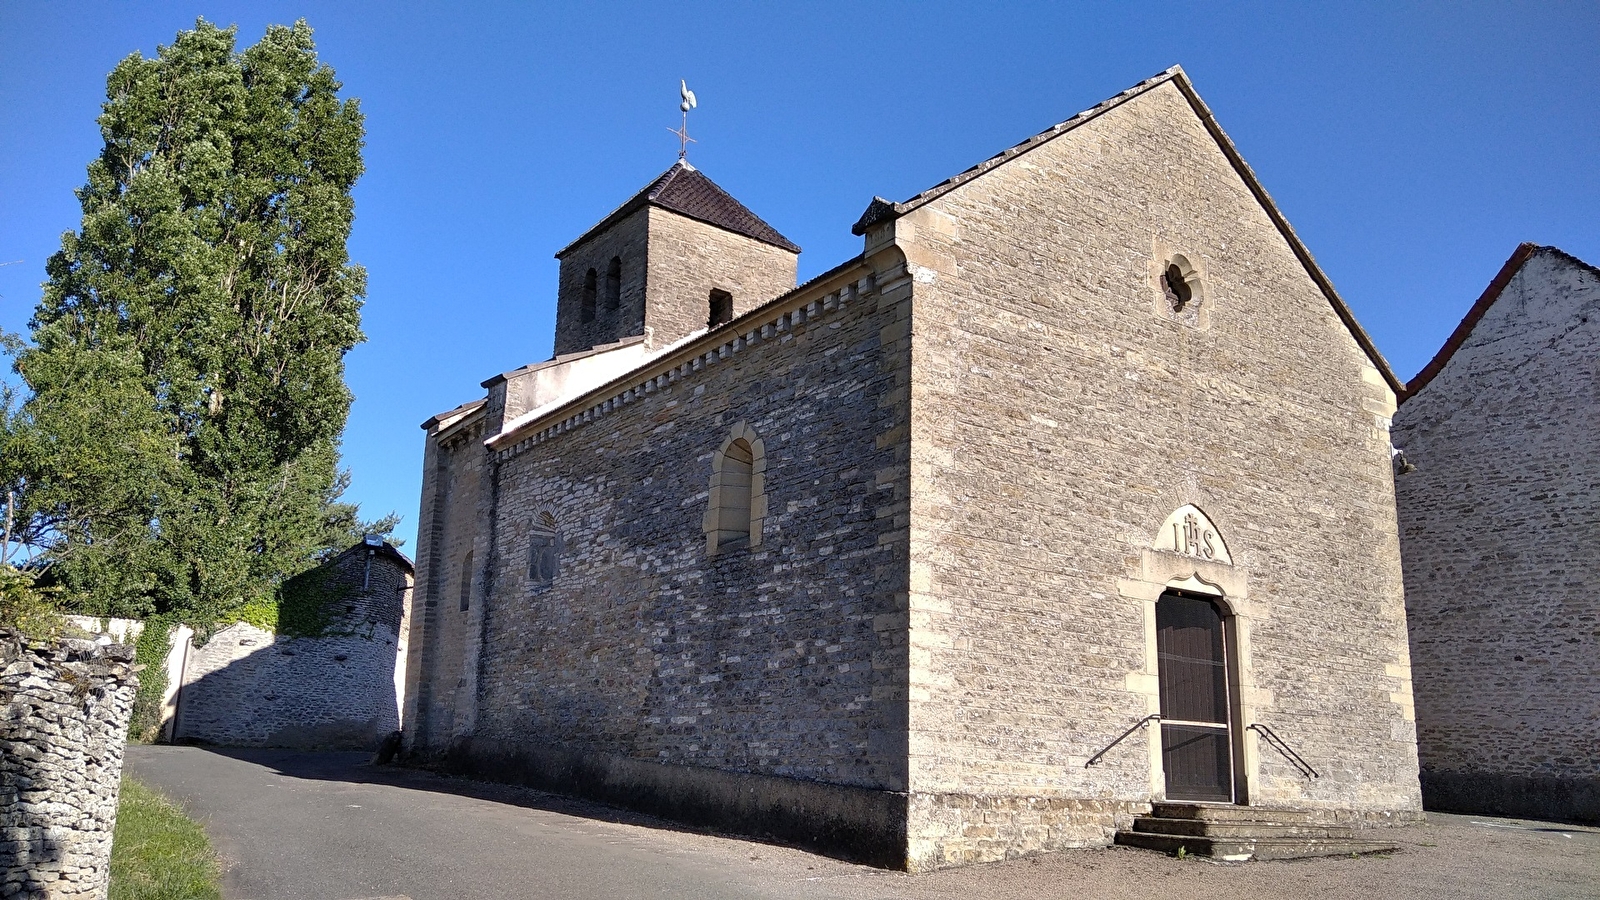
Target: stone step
<point>1239,849</point>
<point>1229,812</point>
<point>1242,830</point>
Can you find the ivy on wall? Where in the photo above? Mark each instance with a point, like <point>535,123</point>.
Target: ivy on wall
<point>303,606</point>
<point>150,651</point>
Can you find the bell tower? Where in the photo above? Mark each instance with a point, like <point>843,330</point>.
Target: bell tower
<point>680,256</point>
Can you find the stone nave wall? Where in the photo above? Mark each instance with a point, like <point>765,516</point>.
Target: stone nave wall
<point>64,712</point>
<point>1060,413</point>
<point>783,659</point>
<point>1500,523</point>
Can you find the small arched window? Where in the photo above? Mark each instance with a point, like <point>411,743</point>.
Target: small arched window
<point>586,311</point>
<point>737,506</point>
<point>1183,290</point>
<point>614,284</point>
<point>1176,287</point>
<point>466,581</point>
<point>544,551</point>
<point>721,308</point>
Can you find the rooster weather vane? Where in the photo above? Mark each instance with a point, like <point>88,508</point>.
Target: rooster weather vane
<point>683,133</point>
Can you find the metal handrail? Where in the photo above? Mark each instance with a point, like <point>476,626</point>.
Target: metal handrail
<point>1282,746</point>
<point>1153,717</point>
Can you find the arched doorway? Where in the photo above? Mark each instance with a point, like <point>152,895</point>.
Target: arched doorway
<point>1197,722</point>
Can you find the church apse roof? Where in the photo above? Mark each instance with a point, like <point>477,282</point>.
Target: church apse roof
<point>685,190</point>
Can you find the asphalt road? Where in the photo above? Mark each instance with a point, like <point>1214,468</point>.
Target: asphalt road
<point>325,826</point>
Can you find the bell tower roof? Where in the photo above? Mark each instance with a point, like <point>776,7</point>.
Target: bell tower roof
<point>685,190</point>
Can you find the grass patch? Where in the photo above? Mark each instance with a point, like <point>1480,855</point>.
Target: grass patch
<point>159,853</point>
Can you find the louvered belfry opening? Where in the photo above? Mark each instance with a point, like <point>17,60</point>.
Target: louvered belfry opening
<point>1196,730</point>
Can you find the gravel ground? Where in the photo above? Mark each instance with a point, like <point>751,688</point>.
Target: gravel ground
<point>298,826</point>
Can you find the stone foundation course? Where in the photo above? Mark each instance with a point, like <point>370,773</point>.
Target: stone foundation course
<point>64,711</point>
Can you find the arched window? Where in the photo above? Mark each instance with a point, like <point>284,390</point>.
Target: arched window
<point>544,551</point>
<point>586,311</point>
<point>614,284</point>
<point>1176,287</point>
<point>1183,290</point>
<point>466,581</point>
<point>737,506</point>
<point>721,308</point>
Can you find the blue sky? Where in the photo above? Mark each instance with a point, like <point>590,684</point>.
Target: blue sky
<point>1413,146</point>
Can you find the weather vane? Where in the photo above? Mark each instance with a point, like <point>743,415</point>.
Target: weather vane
<point>683,133</point>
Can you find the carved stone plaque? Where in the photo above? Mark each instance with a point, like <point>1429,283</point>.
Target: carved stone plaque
<point>1189,533</point>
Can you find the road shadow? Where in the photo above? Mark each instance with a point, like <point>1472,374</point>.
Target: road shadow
<point>356,767</point>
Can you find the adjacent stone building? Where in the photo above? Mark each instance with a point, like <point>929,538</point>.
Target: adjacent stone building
<point>1069,496</point>
<point>1500,525</point>
<point>330,678</point>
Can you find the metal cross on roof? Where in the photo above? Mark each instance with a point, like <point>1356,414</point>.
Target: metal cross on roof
<point>683,133</point>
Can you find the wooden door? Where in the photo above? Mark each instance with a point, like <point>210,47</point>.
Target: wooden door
<point>1196,732</point>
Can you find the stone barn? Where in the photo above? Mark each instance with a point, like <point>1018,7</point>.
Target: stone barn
<point>331,676</point>
<point>1063,513</point>
<point>1500,533</point>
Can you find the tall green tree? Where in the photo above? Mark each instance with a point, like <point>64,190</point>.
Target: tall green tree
<point>178,454</point>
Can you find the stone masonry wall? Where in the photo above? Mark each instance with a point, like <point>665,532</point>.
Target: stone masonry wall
<point>1060,415</point>
<point>688,259</point>
<point>64,714</point>
<point>784,659</point>
<point>447,530</point>
<point>1499,525</point>
<point>626,240</point>
<point>247,687</point>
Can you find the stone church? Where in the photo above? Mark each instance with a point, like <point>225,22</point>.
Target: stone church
<point>1063,513</point>
<point>1500,521</point>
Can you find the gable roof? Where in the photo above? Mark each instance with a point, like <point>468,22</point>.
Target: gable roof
<point>1457,338</point>
<point>382,546</point>
<point>881,210</point>
<point>685,190</point>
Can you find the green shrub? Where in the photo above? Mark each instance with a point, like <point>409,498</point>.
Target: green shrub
<point>26,607</point>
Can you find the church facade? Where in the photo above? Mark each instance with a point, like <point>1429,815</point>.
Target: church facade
<point>1070,495</point>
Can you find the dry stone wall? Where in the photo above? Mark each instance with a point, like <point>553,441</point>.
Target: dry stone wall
<point>64,712</point>
<point>248,687</point>
<point>1499,525</point>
